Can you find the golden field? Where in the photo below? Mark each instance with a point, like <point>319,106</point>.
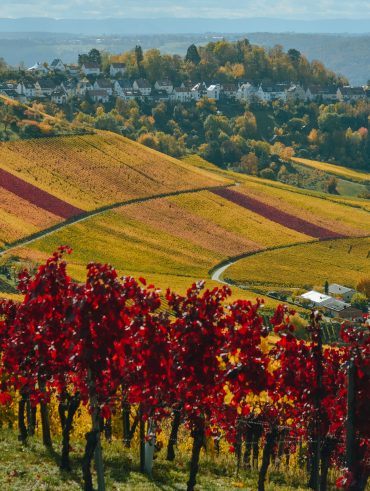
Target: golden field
<point>92,171</point>
<point>176,240</point>
<point>306,266</point>
<point>268,186</point>
<point>18,217</point>
<point>170,241</point>
<point>335,216</point>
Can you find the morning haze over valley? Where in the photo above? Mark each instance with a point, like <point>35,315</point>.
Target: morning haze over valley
<point>184,245</point>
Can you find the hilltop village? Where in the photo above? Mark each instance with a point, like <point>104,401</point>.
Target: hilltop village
<point>236,105</point>
<point>89,80</point>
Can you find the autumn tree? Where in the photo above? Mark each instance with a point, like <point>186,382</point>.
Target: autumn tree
<point>192,55</point>
<point>363,286</point>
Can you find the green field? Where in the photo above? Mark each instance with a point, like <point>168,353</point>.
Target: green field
<point>336,170</point>
<point>32,467</point>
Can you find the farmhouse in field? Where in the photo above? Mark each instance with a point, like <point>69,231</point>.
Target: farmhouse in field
<point>342,292</point>
<point>331,306</point>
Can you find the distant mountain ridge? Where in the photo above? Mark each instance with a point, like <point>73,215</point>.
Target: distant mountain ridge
<point>127,26</point>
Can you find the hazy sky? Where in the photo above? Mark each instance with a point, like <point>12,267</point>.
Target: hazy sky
<point>301,9</point>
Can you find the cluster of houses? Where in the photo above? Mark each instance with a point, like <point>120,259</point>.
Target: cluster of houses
<point>337,303</point>
<point>88,80</point>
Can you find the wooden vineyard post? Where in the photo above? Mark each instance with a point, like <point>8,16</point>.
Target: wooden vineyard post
<point>350,438</point>
<point>142,441</point>
<point>316,444</point>
<point>149,448</point>
<point>98,455</point>
<point>318,409</point>
<point>45,421</point>
<point>95,419</point>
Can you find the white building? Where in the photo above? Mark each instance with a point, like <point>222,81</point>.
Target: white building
<point>315,297</point>
<point>26,88</point>
<point>164,85</point>
<point>38,68</point>
<point>342,292</point>
<point>182,94</point>
<point>70,87</point>
<point>229,90</point>
<point>57,65</point>
<point>350,93</point>
<point>117,69</point>
<point>120,85</point>
<point>246,92</point>
<point>296,93</point>
<point>131,95</point>
<point>143,86</point>
<point>59,96</point>
<point>99,95</point>
<point>273,92</point>
<point>44,87</point>
<point>83,86</point>
<point>90,68</point>
<point>325,94</point>
<point>103,84</point>
<point>199,90</point>
<point>213,91</point>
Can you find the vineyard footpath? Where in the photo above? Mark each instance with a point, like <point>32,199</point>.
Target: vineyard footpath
<point>201,366</point>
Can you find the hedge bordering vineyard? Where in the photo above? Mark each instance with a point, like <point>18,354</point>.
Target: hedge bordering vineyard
<point>110,345</point>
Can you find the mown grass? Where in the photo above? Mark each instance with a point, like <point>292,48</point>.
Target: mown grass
<point>337,170</point>
<point>350,188</point>
<point>32,467</point>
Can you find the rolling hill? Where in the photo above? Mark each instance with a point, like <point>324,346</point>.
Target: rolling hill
<point>64,177</point>
<point>113,200</point>
<point>305,265</point>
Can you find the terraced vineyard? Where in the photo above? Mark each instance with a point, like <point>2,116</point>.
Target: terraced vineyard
<point>164,239</point>
<point>176,239</point>
<point>97,170</point>
<point>47,180</point>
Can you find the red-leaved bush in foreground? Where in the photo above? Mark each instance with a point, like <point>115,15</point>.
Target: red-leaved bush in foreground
<point>109,343</point>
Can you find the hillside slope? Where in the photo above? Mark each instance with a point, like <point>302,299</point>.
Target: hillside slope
<point>43,181</point>
<point>174,221</point>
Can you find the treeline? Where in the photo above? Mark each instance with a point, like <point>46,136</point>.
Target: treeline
<point>257,138</point>
<point>35,121</point>
<point>225,61</point>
